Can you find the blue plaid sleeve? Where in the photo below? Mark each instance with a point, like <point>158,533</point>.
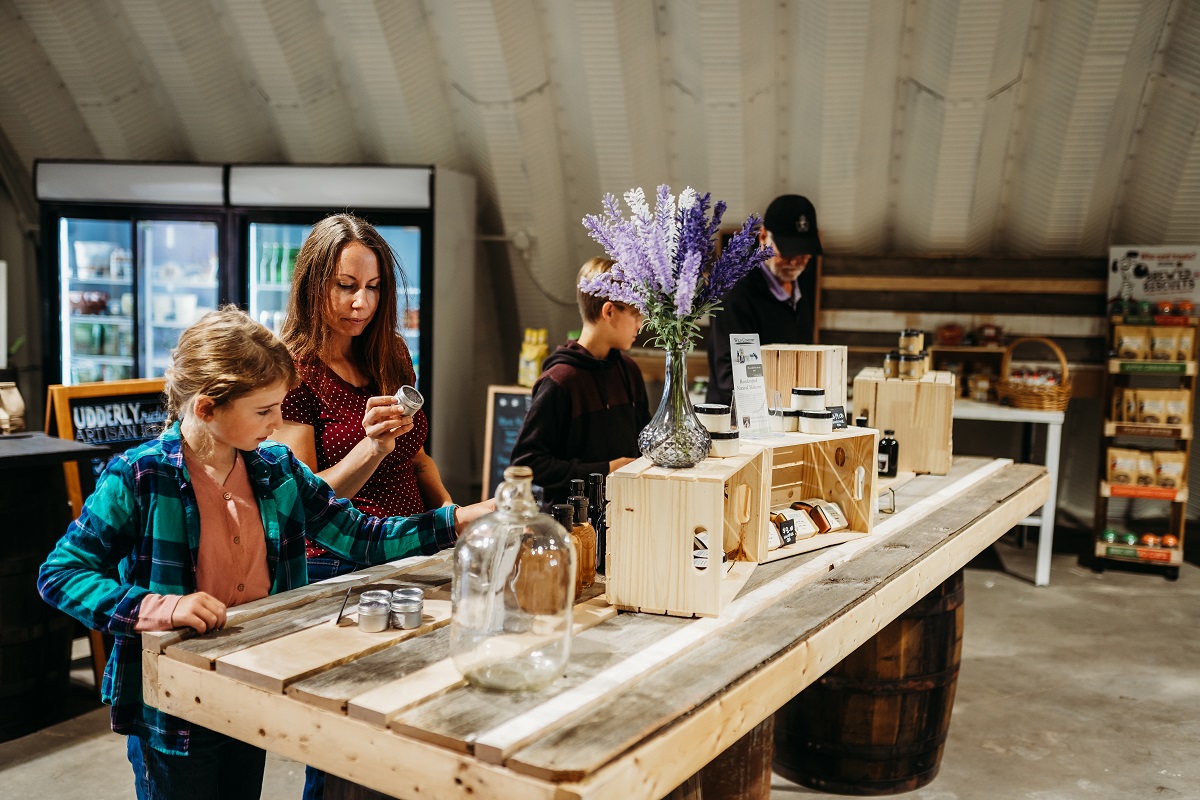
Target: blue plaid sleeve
<point>80,575</point>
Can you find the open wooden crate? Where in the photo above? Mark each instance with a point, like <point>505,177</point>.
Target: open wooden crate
<point>654,515</point>
<point>803,466</point>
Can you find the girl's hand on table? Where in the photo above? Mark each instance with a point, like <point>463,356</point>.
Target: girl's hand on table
<point>465,515</point>
<point>200,611</point>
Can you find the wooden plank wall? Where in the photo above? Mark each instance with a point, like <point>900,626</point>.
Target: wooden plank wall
<point>867,300</point>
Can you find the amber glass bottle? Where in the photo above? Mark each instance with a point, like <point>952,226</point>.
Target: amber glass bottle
<point>586,534</point>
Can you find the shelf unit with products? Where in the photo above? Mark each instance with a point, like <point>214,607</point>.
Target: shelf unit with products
<point>1150,391</point>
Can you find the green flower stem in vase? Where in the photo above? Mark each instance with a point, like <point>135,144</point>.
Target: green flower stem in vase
<point>675,436</point>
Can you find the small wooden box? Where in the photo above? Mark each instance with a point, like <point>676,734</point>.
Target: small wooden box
<point>802,467</point>
<point>786,366</point>
<point>920,412</point>
<point>654,515</point>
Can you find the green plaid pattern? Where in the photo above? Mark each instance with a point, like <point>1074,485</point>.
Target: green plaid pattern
<point>139,533</point>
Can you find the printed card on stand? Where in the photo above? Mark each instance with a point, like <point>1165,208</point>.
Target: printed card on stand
<point>749,385</point>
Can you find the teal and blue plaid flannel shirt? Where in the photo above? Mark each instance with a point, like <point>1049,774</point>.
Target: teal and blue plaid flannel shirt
<point>139,534</point>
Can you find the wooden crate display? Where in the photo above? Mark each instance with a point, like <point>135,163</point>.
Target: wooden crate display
<point>920,412</point>
<point>654,515</point>
<point>803,466</point>
<point>789,365</point>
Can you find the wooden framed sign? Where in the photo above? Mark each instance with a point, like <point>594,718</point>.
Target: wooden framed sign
<point>113,414</point>
<point>506,410</point>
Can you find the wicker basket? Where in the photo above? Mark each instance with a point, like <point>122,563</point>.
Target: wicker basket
<point>1034,398</point>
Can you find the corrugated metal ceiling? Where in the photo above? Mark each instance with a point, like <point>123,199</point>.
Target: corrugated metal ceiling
<point>1026,127</point>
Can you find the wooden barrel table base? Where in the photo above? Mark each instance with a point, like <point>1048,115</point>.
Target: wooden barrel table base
<point>876,723</point>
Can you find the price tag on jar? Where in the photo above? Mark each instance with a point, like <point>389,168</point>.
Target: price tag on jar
<point>749,385</point>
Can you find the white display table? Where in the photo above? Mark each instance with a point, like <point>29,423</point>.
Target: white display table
<point>1053,420</point>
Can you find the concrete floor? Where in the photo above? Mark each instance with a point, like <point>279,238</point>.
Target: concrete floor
<point>1088,688</point>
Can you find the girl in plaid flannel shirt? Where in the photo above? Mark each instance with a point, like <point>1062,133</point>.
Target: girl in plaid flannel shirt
<point>209,515</point>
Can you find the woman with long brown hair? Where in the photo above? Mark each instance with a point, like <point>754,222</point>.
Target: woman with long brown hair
<point>342,420</point>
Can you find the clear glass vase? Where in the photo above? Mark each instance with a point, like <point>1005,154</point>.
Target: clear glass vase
<point>512,593</point>
<point>675,436</point>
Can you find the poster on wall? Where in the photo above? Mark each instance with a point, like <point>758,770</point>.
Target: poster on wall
<point>1156,274</point>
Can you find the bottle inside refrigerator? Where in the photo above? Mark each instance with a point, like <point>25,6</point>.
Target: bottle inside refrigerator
<point>97,299</point>
<point>178,263</point>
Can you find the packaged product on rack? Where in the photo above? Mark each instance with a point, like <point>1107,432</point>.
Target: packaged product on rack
<point>1145,468</point>
<point>1131,342</point>
<point>1164,343</point>
<point>1178,406</point>
<point>1122,466</point>
<point>1170,469</point>
<point>1152,406</point>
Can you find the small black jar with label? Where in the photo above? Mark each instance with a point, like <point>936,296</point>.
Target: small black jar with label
<point>889,455</point>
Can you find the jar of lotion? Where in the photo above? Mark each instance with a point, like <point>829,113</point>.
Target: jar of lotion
<point>891,364</point>
<point>912,340</point>
<point>725,444</point>
<point>373,615</point>
<point>818,422</point>
<point>714,416</point>
<point>808,398</point>
<point>911,367</point>
<point>791,420</point>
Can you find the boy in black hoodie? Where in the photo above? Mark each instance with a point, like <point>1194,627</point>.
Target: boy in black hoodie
<point>590,403</point>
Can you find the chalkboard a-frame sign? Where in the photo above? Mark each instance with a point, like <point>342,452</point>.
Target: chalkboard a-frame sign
<point>506,409</point>
<point>113,414</point>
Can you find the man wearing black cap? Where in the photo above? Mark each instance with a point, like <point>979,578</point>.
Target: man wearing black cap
<point>778,301</point>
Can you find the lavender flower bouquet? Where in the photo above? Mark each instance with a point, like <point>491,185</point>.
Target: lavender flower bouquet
<point>665,260</point>
<point>665,264</point>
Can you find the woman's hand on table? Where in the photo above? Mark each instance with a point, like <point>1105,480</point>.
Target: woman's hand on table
<point>200,611</point>
<point>465,515</point>
<point>384,423</point>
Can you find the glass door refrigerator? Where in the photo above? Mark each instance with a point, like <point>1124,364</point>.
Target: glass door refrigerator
<point>275,207</point>
<point>130,257</point>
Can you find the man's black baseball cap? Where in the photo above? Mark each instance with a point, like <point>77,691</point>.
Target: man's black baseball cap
<point>792,221</point>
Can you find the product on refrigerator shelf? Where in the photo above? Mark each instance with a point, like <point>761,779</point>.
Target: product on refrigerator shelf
<point>1108,536</point>
<point>1170,540</point>
<point>1151,540</point>
<point>1129,538</point>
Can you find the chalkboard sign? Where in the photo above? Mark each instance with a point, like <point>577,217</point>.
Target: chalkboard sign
<point>116,414</point>
<point>506,409</point>
<point>839,417</point>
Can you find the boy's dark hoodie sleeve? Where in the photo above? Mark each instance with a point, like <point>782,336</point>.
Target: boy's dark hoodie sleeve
<point>543,437</point>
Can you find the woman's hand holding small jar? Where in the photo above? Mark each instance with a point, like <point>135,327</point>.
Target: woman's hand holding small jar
<point>384,422</point>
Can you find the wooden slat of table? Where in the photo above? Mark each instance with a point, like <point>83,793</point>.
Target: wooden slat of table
<point>275,664</point>
<point>417,566</point>
<point>380,705</point>
<point>454,719</point>
<point>850,596</point>
<point>386,671</point>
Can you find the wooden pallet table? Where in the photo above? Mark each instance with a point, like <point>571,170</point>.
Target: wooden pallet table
<point>646,700</point>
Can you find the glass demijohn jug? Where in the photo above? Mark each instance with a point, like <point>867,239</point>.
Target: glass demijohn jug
<point>513,593</point>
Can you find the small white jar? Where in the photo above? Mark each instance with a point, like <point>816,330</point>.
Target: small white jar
<point>816,422</point>
<point>808,398</point>
<point>776,415</point>
<point>714,416</point>
<point>791,420</point>
<point>725,444</point>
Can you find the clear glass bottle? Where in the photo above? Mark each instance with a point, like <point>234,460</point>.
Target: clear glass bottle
<point>512,593</point>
